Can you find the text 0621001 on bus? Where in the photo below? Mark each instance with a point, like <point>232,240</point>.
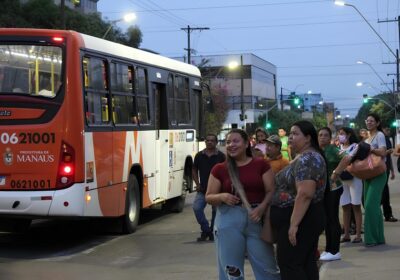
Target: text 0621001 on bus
<point>91,128</point>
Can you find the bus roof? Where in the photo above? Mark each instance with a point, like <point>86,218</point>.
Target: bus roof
<point>109,47</point>
<point>102,45</point>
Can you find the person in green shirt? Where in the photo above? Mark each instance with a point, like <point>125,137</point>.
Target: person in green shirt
<point>332,197</point>
<point>285,149</point>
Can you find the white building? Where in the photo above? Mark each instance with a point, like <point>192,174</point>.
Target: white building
<point>259,85</point>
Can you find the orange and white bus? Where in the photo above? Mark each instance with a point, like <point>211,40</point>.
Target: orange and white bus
<point>91,128</point>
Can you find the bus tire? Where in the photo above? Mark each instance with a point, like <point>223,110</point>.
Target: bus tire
<point>130,219</point>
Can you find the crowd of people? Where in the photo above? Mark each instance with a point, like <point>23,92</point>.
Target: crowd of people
<point>273,196</point>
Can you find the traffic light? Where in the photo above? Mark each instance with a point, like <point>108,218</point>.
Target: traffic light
<point>296,101</point>
<point>394,123</point>
<point>365,98</point>
<point>268,125</point>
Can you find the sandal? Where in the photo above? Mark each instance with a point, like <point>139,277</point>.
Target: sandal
<point>357,240</point>
<point>345,239</point>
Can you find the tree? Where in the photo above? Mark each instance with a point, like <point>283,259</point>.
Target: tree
<point>216,112</point>
<point>284,119</point>
<point>378,104</point>
<point>45,14</point>
<point>41,14</point>
<point>279,119</point>
<point>319,120</point>
<point>10,15</point>
<point>134,36</point>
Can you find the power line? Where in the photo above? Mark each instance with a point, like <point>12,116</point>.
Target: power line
<point>324,74</point>
<point>160,12</point>
<point>261,26</point>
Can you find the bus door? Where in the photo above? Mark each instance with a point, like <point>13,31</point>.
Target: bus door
<point>162,142</point>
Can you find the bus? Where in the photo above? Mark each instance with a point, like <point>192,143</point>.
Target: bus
<point>90,128</point>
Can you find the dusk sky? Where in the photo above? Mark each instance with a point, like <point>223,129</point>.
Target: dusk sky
<point>314,44</point>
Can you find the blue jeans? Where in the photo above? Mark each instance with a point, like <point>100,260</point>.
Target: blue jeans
<point>235,235</point>
<point>199,204</point>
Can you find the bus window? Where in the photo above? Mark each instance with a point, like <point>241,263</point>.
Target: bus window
<point>182,100</point>
<point>171,102</point>
<point>30,69</point>
<point>142,97</point>
<point>96,94</point>
<point>123,100</point>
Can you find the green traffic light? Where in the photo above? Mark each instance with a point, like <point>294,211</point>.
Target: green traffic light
<point>296,101</point>
<point>268,125</point>
<point>394,124</point>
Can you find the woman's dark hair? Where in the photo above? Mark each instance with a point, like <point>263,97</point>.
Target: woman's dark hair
<point>353,137</point>
<point>377,119</point>
<point>327,129</point>
<point>308,128</point>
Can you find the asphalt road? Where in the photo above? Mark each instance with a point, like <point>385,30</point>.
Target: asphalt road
<point>163,247</point>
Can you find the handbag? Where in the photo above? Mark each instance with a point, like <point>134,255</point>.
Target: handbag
<point>367,168</point>
<point>267,232</point>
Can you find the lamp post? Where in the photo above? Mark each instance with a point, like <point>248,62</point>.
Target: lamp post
<point>376,73</point>
<point>127,18</point>
<point>233,65</point>
<point>396,55</point>
<point>360,84</point>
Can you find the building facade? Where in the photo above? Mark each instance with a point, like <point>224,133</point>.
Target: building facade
<point>250,86</point>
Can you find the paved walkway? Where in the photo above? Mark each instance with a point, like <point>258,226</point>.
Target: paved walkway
<point>375,263</point>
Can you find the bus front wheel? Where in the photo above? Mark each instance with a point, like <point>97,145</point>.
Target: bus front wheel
<point>130,219</point>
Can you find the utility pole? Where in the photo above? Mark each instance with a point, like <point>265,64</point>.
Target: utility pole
<point>397,52</point>
<point>189,29</point>
<point>396,93</point>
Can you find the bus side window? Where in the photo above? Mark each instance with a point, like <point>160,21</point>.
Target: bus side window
<point>142,96</point>
<point>96,93</point>
<point>171,103</point>
<point>182,100</point>
<point>123,100</point>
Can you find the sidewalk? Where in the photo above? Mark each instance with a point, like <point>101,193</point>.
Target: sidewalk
<point>375,263</point>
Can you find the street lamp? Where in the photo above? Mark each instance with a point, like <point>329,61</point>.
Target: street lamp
<point>396,55</point>
<point>233,65</point>
<point>360,84</point>
<point>127,18</point>
<point>376,73</point>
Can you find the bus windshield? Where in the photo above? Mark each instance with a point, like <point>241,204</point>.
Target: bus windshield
<point>33,70</point>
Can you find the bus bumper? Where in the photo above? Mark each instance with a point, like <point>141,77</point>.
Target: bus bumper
<point>66,202</point>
